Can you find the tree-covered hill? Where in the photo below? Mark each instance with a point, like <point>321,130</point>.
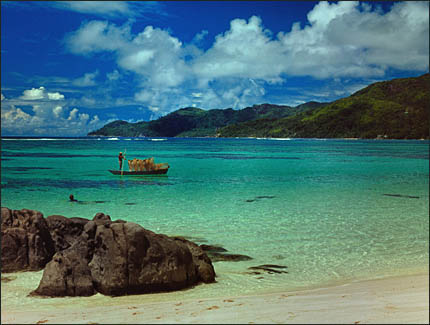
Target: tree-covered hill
<point>395,109</point>
<point>192,121</point>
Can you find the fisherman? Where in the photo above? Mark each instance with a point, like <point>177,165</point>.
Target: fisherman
<point>121,158</point>
<point>72,198</point>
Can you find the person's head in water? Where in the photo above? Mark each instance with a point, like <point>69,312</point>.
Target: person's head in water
<point>72,198</point>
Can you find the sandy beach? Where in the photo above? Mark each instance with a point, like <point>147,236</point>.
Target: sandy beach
<point>397,300</point>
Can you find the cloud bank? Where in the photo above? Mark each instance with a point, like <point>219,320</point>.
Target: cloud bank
<point>340,40</point>
<point>158,72</point>
<point>48,115</point>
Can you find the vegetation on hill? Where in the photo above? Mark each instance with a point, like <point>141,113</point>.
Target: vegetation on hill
<point>395,109</point>
<point>192,121</point>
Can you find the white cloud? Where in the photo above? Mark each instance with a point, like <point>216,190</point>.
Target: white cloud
<point>343,40</point>
<point>46,119</point>
<point>14,115</point>
<point>87,80</point>
<point>110,9</point>
<point>55,96</point>
<point>339,40</point>
<point>102,8</point>
<point>58,110</point>
<point>2,97</point>
<point>33,94</point>
<point>113,76</point>
<point>199,37</point>
<point>73,113</point>
<point>40,93</point>
<point>96,36</point>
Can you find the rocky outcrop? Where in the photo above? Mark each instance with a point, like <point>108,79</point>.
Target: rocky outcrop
<point>205,269</point>
<point>218,253</point>
<point>118,257</point>
<point>83,257</point>
<point>64,231</point>
<point>26,244</point>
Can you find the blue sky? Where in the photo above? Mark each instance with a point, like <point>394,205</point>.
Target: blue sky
<point>70,67</point>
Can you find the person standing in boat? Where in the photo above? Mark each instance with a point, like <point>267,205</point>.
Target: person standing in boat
<point>121,158</point>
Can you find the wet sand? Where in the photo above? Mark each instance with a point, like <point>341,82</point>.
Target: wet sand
<point>390,300</point>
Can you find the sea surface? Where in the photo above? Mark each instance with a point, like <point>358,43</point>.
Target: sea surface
<point>332,211</point>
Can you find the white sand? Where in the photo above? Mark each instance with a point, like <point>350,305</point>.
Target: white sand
<point>397,300</point>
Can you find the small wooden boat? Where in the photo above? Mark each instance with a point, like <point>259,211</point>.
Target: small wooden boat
<point>160,171</point>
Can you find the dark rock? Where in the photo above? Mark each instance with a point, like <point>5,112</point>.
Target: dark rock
<point>265,197</point>
<point>116,258</point>
<point>26,243</point>
<point>212,248</point>
<point>130,259</point>
<point>204,268</point>
<point>260,197</point>
<point>64,231</point>
<point>269,268</point>
<point>67,274</point>
<point>216,257</point>
<point>401,195</point>
<point>101,218</point>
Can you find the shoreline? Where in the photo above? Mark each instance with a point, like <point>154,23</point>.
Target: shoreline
<point>397,299</point>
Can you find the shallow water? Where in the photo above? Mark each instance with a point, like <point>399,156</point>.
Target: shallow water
<point>333,211</point>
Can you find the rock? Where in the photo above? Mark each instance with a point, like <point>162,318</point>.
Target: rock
<point>67,274</point>
<point>116,258</point>
<point>216,257</point>
<point>401,195</point>
<point>64,231</point>
<point>212,248</point>
<point>204,268</point>
<point>217,253</point>
<point>269,268</point>
<point>101,218</point>
<point>26,243</point>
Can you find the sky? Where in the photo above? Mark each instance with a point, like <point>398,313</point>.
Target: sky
<point>70,67</point>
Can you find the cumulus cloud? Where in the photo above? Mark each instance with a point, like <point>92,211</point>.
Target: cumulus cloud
<point>2,97</point>
<point>44,113</point>
<point>55,96</point>
<point>40,93</point>
<point>339,40</point>
<point>96,36</point>
<point>33,94</point>
<point>348,39</point>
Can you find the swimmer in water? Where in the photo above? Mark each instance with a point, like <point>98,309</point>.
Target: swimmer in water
<point>72,198</point>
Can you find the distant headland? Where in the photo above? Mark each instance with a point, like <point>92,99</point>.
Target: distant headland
<point>394,109</point>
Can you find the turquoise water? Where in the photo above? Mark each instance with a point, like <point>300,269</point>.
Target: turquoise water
<point>317,206</point>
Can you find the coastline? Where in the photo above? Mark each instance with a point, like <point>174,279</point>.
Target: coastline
<point>399,299</point>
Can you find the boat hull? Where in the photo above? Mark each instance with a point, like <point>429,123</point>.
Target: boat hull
<point>143,172</point>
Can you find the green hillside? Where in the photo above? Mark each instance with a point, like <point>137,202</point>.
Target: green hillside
<point>194,122</point>
<point>395,109</point>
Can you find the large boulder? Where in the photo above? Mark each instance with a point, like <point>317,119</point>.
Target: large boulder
<point>204,268</point>
<point>26,244</point>
<point>118,257</point>
<point>67,274</point>
<point>64,231</point>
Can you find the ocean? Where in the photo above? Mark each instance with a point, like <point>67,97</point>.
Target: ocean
<point>332,211</point>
